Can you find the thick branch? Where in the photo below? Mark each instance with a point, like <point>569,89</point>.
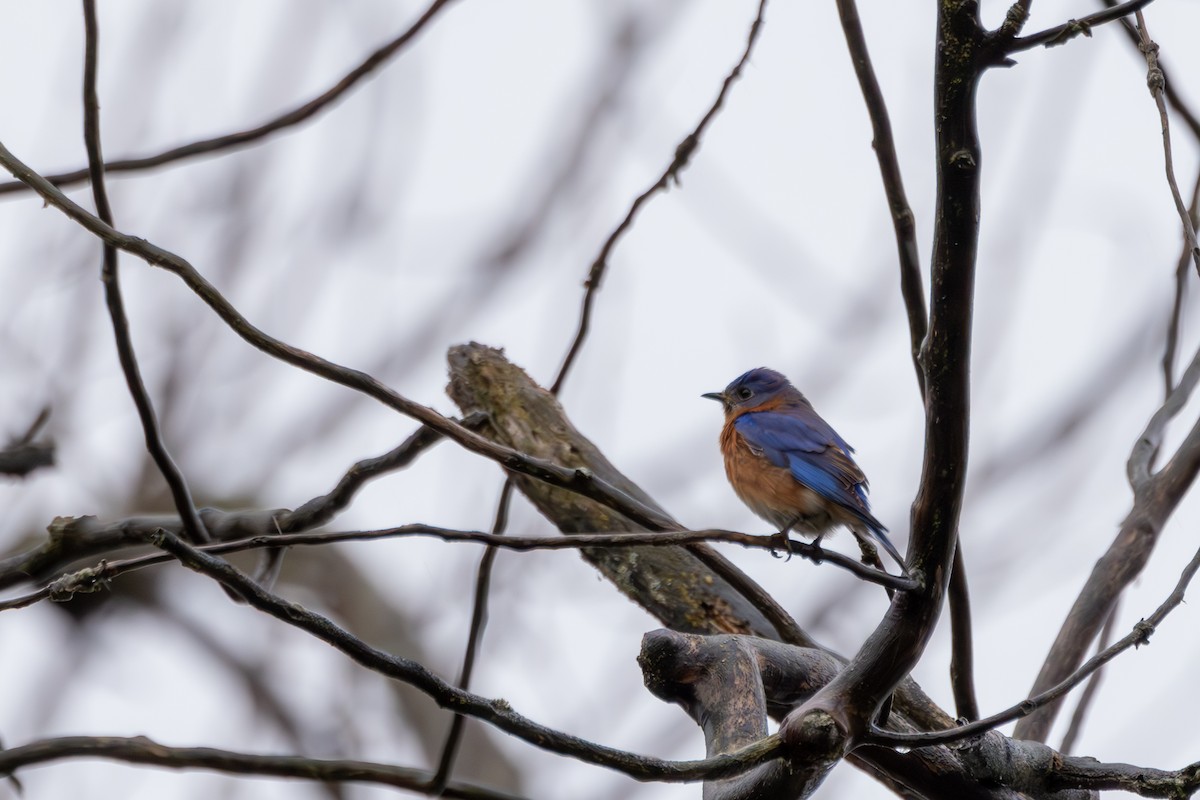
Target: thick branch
<point>730,684</point>
<point>672,584</point>
<point>854,697</point>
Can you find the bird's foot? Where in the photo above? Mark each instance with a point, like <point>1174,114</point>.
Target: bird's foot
<point>785,544</point>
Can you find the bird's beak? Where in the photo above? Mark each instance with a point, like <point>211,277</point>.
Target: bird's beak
<point>718,396</point>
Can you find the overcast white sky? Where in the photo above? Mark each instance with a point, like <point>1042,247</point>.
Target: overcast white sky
<point>374,235</point>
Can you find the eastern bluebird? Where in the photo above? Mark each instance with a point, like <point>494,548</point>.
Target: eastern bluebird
<point>788,465</point>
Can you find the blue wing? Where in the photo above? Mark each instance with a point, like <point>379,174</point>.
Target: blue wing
<point>817,457</point>
<point>814,453</point>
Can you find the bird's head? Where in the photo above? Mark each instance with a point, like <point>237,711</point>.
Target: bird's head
<point>751,390</point>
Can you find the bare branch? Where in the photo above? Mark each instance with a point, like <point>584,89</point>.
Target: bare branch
<point>19,460</point>
<point>1185,112</point>
<point>497,712</point>
<point>180,494</point>
<point>127,532</point>
<point>1093,685</point>
<point>579,481</point>
<point>1137,468</point>
<point>683,155</point>
<point>1061,34</point>
<point>1155,499</point>
<point>233,141</point>
<point>903,222</point>
<point>479,619</point>
<point>719,681</point>
<point>962,641</point>
<point>321,509</point>
<point>1015,19</point>
<point>852,700</point>
<point>1181,274</point>
<point>1088,773</point>
<point>1156,80</point>
<point>140,750</point>
<point>730,684</point>
<point>1140,635</point>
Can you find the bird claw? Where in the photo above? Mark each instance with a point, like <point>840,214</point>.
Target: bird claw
<point>785,544</point>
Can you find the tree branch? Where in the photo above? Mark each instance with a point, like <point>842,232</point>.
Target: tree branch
<point>1155,498</point>
<point>19,460</point>
<point>192,524</point>
<point>136,530</point>
<point>479,620</point>
<point>1061,34</point>
<point>962,641</point>
<point>1140,635</point>
<point>233,141</point>
<point>852,700</point>
<point>1079,716</point>
<point>1156,80</point>
<point>140,750</point>
<point>577,481</point>
<point>683,155</point>
<point>497,712</point>
<point>903,222</point>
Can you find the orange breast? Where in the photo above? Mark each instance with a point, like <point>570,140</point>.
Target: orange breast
<point>770,491</point>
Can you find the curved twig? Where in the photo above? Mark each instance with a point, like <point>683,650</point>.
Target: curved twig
<point>232,141</point>
<point>683,154</point>
<point>1140,635</point>
<point>1061,34</point>
<point>140,750</point>
<point>497,712</point>
<point>171,473</point>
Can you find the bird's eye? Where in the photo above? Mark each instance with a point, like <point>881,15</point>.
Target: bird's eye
<point>744,393</point>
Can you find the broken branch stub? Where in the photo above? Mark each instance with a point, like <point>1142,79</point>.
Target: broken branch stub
<point>669,582</point>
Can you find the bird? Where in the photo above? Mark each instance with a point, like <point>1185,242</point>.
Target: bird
<point>789,465</point>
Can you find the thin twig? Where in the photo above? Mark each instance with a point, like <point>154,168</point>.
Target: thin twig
<point>231,141</point>
<point>157,448</point>
<point>497,712</point>
<point>1156,496</point>
<point>1061,34</point>
<point>1137,467</point>
<point>479,620</point>
<point>35,427</point>
<point>1186,114</point>
<point>579,481</point>
<point>1155,80</point>
<point>321,509</point>
<point>683,155</point>
<point>903,222</point>
<point>96,577</point>
<point>1174,326</point>
<point>1093,684</point>
<point>1140,635</point>
<point>140,750</point>
<point>962,641</point>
